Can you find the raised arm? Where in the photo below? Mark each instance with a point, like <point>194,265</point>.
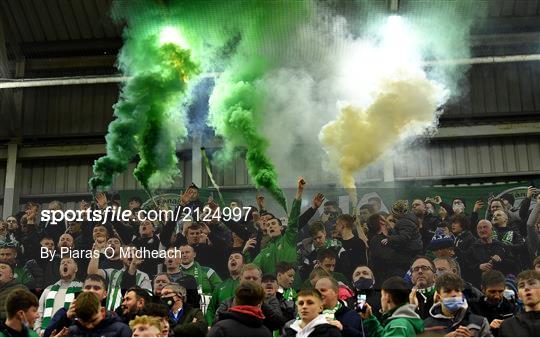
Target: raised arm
<point>93,264</point>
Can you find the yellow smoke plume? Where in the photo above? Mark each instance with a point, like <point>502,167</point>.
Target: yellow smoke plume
<point>404,104</point>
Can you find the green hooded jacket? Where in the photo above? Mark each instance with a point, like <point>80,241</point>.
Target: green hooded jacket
<point>402,321</point>
<point>282,248</point>
<point>206,277</point>
<point>223,291</point>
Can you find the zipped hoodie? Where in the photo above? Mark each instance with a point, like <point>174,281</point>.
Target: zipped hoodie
<point>463,317</point>
<point>402,321</point>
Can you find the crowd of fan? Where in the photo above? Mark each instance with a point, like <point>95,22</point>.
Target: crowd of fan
<point>428,268</point>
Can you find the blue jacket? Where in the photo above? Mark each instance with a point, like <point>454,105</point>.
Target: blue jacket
<point>350,320</point>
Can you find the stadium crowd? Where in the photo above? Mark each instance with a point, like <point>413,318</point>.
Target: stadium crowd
<point>427,268</point>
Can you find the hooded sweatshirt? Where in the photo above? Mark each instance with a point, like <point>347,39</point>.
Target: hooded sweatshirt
<point>437,321</point>
<point>243,320</point>
<point>402,321</point>
<point>318,327</point>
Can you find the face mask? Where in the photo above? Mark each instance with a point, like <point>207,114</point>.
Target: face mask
<point>169,301</point>
<point>25,322</point>
<point>458,208</point>
<point>363,284</point>
<point>440,273</point>
<point>454,303</point>
<point>430,210</point>
<point>509,294</point>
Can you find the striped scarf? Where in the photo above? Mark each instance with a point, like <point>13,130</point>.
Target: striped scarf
<point>114,291</point>
<point>330,314</point>
<point>73,288</point>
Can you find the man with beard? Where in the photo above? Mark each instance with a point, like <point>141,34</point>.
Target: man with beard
<point>122,279</point>
<point>133,303</point>
<point>58,295</point>
<point>225,289</point>
<point>493,305</point>
<point>66,317</point>
<point>113,261</point>
<point>427,223</point>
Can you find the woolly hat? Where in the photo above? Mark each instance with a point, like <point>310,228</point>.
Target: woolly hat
<point>441,240</point>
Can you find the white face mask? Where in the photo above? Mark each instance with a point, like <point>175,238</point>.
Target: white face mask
<point>25,322</point>
<point>458,207</point>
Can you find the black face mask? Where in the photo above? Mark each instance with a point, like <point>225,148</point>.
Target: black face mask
<point>169,301</point>
<point>363,284</point>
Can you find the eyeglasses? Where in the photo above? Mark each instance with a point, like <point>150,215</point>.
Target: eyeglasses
<point>424,268</point>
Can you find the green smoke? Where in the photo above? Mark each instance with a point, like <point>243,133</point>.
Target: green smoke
<point>242,39</point>
<point>149,119</point>
<point>236,103</point>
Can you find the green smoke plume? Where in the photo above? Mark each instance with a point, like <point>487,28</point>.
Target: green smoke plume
<point>236,103</point>
<point>148,114</point>
<point>243,39</point>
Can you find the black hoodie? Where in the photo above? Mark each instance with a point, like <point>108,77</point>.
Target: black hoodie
<point>239,324</point>
<point>110,326</point>
<point>526,324</point>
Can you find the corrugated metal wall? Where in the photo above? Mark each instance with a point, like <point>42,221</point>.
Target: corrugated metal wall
<point>495,90</point>
<point>471,158</point>
<point>2,185</point>
<point>68,110</point>
<point>70,176</point>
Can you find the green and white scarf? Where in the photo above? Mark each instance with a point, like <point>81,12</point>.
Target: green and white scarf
<point>73,288</point>
<point>330,314</point>
<point>114,291</point>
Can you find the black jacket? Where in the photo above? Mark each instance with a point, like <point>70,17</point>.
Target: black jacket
<point>191,324</point>
<point>111,326</point>
<point>271,309</point>
<point>463,243</point>
<point>386,261</point>
<point>526,324</point>
<point>237,324</point>
<point>501,310</point>
<point>429,224</point>
<point>480,253</point>
<point>351,321</point>
<point>406,236</point>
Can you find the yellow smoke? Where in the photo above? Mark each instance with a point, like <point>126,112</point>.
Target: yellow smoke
<point>404,104</point>
<point>390,99</point>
